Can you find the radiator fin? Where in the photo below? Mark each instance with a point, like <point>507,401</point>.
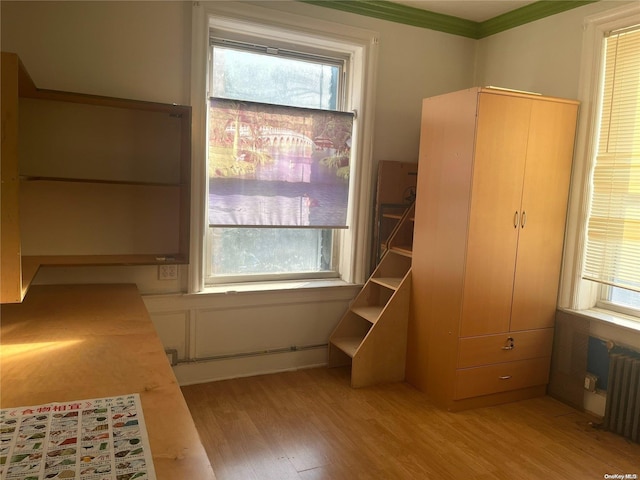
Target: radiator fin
<point>622,413</point>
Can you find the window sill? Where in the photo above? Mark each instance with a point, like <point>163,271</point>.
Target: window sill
<point>257,295</point>
<point>608,317</point>
<point>274,286</point>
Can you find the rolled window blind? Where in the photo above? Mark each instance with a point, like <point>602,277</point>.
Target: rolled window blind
<point>613,230</point>
<point>278,166</point>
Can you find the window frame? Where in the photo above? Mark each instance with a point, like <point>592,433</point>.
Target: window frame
<point>361,48</point>
<point>248,43</point>
<point>604,303</point>
<point>251,44</point>
<point>577,293</point>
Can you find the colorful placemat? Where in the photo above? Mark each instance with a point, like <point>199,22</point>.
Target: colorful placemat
<point>97,439</point>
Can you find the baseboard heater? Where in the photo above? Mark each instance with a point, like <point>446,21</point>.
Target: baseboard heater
<point>622,411</point>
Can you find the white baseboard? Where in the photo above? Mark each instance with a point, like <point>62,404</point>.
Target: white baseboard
<point>203,371</point>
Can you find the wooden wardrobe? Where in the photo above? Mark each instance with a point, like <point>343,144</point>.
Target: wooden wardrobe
<point>493,181</point>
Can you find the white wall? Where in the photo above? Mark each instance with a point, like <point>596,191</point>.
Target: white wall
<point>141,50</point>
<point>137,50</point>
<point>542,56</point>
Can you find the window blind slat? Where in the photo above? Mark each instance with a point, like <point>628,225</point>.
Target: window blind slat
<point>613,231</point>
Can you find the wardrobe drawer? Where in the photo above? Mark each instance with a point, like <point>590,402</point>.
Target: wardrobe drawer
<point>501,377</point>
<point>504,347</point>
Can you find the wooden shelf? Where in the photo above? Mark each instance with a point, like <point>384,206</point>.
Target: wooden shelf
<point>174,110</point>
<point>34,178</point>
<point>89,180</point>
<point>348,345</point>
<point>390,282</point>
<point>369,313</point>
<point>405,250</point>
<point>28,89</point>
<point>98,260</point>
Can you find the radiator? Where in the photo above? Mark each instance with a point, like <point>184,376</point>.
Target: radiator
<point>622,411</point>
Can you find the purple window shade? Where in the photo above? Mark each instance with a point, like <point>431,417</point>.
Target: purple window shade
<point>277,166</point>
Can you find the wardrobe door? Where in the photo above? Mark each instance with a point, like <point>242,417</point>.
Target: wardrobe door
<point>498,170</point>
<point>544,204</point>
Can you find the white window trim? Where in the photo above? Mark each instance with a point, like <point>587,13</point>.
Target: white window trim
<point>362,48</point>
<point>577,294</point>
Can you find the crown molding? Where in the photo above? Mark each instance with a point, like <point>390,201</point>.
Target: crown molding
<point>398,13</point>
<point>527,14</point>
<point>416,17</point>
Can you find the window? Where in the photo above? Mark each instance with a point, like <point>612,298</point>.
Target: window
<point>606,253</point>
<point>613,231</point>
<point>259,57</point>
<point>286,158</point>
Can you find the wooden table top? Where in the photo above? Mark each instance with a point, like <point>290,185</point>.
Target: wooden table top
<point>74,342</point>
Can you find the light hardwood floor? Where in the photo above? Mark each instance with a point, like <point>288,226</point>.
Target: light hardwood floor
<point>310,425</point>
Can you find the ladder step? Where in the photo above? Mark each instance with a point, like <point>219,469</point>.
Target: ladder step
<point>390,282</point>
<point>348,345</point>
<point>371,313</point>
<point>405,250</point>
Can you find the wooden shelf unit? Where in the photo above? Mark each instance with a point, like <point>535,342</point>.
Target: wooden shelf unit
<point>372,334</point>
<point>89,180</point>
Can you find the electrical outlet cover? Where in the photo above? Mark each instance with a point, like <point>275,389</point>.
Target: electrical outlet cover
<point>167,272</point>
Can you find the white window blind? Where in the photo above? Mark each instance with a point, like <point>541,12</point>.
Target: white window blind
<point>613,233</point>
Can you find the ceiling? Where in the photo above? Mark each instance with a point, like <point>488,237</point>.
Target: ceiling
<point>475,10</point>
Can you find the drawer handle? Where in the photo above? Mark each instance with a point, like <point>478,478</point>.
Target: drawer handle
<point>510,344</point>
<point>505,377</point>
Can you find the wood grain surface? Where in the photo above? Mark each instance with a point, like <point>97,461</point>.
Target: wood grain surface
<point>310,425</point>
<point>75,342</point>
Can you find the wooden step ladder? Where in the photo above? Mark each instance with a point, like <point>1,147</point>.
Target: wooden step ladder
<point>372,334</point>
